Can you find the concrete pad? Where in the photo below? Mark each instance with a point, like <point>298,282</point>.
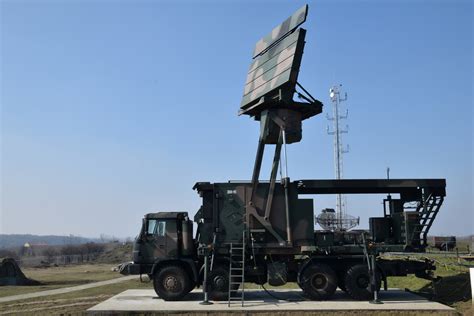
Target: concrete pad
<point>257,301</point>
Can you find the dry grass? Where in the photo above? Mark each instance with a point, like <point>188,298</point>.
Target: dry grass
<point>58,277</point>
<point>453,290</point>
<point>73,302</point>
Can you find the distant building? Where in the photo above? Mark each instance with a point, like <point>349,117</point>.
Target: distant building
<point>26,250</point>
<point>30,249</point>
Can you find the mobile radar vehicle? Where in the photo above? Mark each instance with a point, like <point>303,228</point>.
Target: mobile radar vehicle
<point>263,231</point>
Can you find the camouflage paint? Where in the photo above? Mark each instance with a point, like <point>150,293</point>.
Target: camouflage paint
<point>277,58</point>
<point>298,18</point>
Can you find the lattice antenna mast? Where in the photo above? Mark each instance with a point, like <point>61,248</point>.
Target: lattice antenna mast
<point>339,149</point>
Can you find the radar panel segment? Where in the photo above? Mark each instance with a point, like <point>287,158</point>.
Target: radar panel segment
<point>279,32</point>
<point>275,69</point>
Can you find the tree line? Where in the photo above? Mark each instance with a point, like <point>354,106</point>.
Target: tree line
<point>86,250</point>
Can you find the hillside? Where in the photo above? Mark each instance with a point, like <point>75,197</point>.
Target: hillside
<point>16,240</point>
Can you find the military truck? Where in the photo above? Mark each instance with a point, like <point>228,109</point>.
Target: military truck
<point>259,247</point>
<point>443,243</point>
<point>263,231</point>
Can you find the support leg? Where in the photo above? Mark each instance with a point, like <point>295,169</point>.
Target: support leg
<point>373,281</point>
<point>204,282</point>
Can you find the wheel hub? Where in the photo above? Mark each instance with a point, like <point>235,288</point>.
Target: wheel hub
<point>319,281</point>
<point>219,282</point>
<point>171,283</point>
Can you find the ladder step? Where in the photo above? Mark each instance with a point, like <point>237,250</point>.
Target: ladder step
<point>236,271</point>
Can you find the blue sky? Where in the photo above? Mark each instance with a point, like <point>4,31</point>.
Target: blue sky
<point>112,109</point>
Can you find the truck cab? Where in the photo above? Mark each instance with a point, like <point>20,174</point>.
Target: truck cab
<point>161,237</point>
<point>165,238</point>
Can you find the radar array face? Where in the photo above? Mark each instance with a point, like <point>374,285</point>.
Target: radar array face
<point>281,31</point>
<point>277,59</point>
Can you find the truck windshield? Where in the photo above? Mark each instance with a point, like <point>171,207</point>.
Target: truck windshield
<point>156,227</point>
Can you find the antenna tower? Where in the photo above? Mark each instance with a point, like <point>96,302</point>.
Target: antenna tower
<point>329,219</point>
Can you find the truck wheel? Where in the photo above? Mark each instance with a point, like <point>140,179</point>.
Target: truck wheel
<point>357,282</point>
<point>218,284</point>
<point>318,281</point>
<point>172,283</point>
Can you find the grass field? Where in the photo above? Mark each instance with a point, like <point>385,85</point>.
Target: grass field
<point>58,277</point>
<point>453,289</point>
<point>74,302</point>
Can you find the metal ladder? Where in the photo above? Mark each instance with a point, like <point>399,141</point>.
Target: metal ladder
<point>236,271</point>
<point>427,212</point>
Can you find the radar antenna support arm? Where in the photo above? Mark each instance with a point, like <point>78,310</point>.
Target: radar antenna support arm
<point>251,208</point>
<point>276,161</point>
<point>258,158</point>
<point>307,93</point>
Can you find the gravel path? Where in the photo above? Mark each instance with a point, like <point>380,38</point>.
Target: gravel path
<point>65,289</point>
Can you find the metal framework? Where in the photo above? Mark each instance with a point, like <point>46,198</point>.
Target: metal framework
<point>328,219</point>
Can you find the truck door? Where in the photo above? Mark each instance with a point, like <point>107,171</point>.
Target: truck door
<point>156,237</point>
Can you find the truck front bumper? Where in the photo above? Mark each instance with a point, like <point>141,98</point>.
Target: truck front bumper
<point>130,268</point>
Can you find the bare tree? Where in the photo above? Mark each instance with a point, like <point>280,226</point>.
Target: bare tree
<point>50,253</point>
<point>93,249</point>
<point>68,251</point>
<point>8,253</point>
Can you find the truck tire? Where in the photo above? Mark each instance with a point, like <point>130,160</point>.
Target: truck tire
<point>172,283</point>
<point>218,284</point>
<point>318,281</point>
<point>357,282</point>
